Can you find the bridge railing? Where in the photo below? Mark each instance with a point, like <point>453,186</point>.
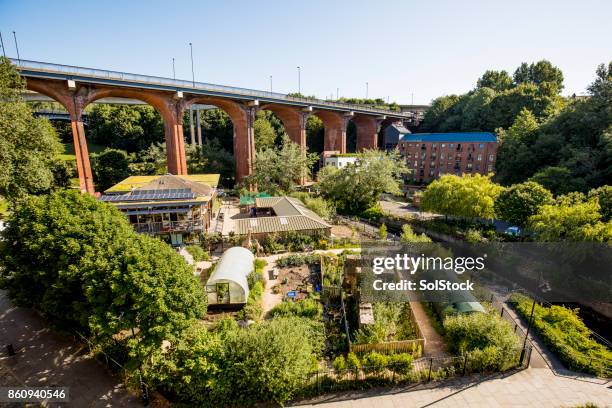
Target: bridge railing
<point>180,83</point>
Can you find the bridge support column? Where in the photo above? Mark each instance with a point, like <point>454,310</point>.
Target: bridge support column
<point>175,142</point>
<point>244,142</point>
<point>81,152</point>
<point>335,130</point>
<point>367,132</point>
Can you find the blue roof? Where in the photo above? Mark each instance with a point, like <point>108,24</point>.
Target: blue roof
<point>450,137</point>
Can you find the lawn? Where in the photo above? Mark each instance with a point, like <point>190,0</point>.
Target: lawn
<point>69,154</point>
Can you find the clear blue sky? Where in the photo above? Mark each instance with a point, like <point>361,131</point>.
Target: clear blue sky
<point>429,48</point>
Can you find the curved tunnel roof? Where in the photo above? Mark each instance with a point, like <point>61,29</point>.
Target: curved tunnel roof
<point>235,265</point>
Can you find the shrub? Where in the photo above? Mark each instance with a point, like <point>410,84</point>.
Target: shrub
<point>488,340</point>
<point>298,260</point>
<point>567,336</point>
<point>339,364</point>
<point>309,308</point>
<point>401,363</point>
<point>409,236</point>
<point>197,253</point>
<point>352,361</point>
<point>391,323</point>
<point>474,236</point>
<point>373,213</point>
<point>374,362</point>
<point>253,308</point>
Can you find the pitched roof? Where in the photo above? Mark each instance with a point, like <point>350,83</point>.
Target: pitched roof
<point>483,137</point>
<point>291,215</point>
<point>400,128</point>
<point>169,181</point>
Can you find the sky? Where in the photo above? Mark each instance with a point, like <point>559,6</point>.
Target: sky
<point>407,51</point>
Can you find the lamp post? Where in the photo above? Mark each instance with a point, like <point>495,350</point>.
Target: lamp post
<point>192,72</point>
<point>16,47</point>
<point>270,83</point>
<point>367,90</point>
<point>337,93</point>
<point>173,70</point>
<point>299,80</point>
<point>2,44</point>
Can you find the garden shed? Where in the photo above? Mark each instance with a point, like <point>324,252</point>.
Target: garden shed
<point>228,283</point>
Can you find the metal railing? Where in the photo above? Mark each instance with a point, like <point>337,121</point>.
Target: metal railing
<point>180,83</point>
<point>168,226</point>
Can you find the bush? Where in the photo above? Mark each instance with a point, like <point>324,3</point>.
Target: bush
<point>253,308</point>
<point>298,260</point>
<point>567,336</point>
<point>373,213</point>
<point>339,364</point>
<point>488,340</point>
<point>391,323</point>
<point>401,363</point>
<point>197,253</point>
<point>474,236</point>
<point>352,361</point>
<point>309,308</point>
<point>374,363</point>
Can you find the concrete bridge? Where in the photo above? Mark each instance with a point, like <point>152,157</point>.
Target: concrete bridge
<point>76,87</point>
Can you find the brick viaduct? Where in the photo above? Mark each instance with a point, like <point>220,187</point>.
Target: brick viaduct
<point>75,95</point>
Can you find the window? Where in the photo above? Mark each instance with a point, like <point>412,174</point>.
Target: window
<point>415,163</point>
<point>442,156</point>
<point>469,166</point>
<point>481,146</point>
<point>433,164</point>
<point>490,167</point>
<point>443,145</point>
<point>479,157</point>
<point>458,146</point>
<point>491,157</point>
<point>451,145</point>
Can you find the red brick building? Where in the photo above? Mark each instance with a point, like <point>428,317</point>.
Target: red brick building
<point>430,155</point>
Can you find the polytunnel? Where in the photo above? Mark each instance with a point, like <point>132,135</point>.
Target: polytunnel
<point>228,283</point>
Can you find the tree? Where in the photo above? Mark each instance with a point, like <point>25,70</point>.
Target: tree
<point>469,196</point>
<point>315,134</point>
<point>603,195</point>
<point>382,232</point>
<point>543,74</point>
<point>150,162</point>
<point>520,201</point>
<point>28,146</point>
<point>496,80</point>
<point>127,127</point>
<point>265,136</point>
<point>211,157</point>
<point>357,187</point>
<point>277,170</point>
<point>79,262</point>
<point>571,220</point>
<point>557,179</point>
<point>109,167</point>
<point>409,236</point>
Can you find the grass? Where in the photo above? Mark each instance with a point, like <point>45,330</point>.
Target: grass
<point>69,154</point>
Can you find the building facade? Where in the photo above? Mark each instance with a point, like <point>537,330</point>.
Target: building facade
<point>430,155</point>
<point>339,160</point>
<point>393,134</point>
<point>176,208</point>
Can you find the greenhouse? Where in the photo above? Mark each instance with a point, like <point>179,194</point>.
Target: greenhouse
<point>228,283</point>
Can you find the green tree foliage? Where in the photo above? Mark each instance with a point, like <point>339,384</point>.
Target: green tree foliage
<point>265,136</point>
<point>571,149</point>
<point>79,263</point>
<point>357,187</point>
<point>310,308</point>
<point>520,201</point>
<point>496,80</point>
<point>603,195</point>
<point>28,146</point>
<point>382,232</point>
<point>127,127</point>
<point>571,219</point>
<point>468,196</point>
<point>277,170</point>
<point>315,133</point>
<point>496,100</point>
<point>109,167</point>
<point>409,236</point>
<point>229,366</point>
<point>514,147</point>
<point>542,73</point>
<point>211,157</point>
<point>150,162</point>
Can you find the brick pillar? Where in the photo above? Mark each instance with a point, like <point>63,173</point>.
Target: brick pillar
<point>244,142</point>
<point>335,130</point>
<point>81,152</point>
<point>175,143</point>
<point>367,132</point>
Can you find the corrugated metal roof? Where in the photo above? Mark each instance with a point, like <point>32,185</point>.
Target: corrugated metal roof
<point>400,128</point>
<point>483,137</point>
<point>261,225</point>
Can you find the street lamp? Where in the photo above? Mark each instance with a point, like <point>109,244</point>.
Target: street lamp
<point>173,70</point>
<point>16,47</point>
<point>299,80</point>
<point>270,83</point>
<point>2,44</point>
<point>337,93</point>
<point>192,72</point>
<point>367,90</point>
